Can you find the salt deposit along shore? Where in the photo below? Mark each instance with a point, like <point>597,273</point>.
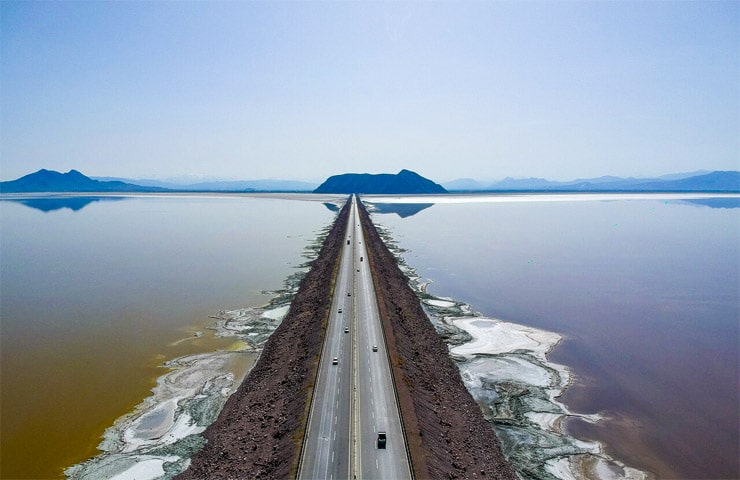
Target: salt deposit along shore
<point>505,367</point>
<point>157,439</point>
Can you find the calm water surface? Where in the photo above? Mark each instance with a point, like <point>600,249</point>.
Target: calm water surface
<point>645,292</point>
<point>97,292</point>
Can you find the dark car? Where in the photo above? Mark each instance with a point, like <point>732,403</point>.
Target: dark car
<point>381,439</point>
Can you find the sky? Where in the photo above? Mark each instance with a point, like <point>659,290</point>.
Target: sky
<point>304,90</point>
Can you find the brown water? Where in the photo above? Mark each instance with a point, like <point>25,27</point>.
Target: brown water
<point>94,300</point>
<point>646,294</point>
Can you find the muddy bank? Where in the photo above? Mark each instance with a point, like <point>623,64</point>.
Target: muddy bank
<point>258,433</point>
<point>446,432</point>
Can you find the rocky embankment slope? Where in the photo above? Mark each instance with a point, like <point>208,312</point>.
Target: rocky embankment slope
<point>445,429</point>
<point>259,432</point>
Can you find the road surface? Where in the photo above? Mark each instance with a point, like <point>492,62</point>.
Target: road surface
<point>354,399</point>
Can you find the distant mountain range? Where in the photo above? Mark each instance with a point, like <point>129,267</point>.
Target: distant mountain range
<point>718,181</point>
<point>404,182</point>
<point>267,185</point>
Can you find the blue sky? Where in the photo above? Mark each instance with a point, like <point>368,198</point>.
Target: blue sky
<point>304,90</point>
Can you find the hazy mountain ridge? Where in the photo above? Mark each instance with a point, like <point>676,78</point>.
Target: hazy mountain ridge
<point>404,182</point>
<point>262,185</point>
<point>717,181</point>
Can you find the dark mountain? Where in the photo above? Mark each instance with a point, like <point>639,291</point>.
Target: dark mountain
<point>72,181</point>
<point>404,182</point>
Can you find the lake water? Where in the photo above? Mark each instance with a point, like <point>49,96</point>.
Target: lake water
<point>96,293</point>
<point>644,290</point>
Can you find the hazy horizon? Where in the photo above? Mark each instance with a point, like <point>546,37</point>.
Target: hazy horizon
<point>305,90</point>
<point>179,179</point>
<point>189,180</point>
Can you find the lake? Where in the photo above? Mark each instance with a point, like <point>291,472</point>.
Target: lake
<point>97,293</point>
<point>644,289</point>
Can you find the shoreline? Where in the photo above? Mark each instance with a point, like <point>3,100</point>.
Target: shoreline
<point>448,317</point>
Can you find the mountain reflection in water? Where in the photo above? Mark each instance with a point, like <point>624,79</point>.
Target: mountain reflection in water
<point>403,210</point>
<point>49,204</point>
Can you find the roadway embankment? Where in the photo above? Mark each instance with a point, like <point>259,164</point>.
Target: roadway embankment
<point>259,432</point>
<point>447,435</point>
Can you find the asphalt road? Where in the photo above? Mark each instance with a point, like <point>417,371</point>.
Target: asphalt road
<point>354,398</point>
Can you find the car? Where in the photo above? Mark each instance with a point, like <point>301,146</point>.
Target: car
<point>381,439</point>
<point>335,361</point>
<point>375,348</point>
<point>340,310</point>
<point>346,329</point>
<point>349,294</point>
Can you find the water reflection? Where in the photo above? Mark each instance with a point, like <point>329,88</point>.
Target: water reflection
<point>332,207</point>
<point>50,204</point>
<point>403,210</point>
<point>730,202</point>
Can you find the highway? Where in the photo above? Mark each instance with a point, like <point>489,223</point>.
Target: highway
<point>353,399</point>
